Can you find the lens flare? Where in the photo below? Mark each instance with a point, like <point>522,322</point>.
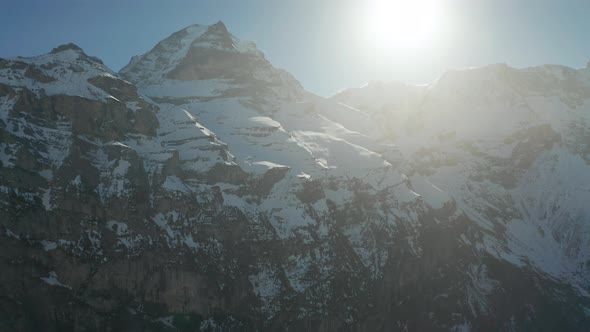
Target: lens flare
<point>403,25</point>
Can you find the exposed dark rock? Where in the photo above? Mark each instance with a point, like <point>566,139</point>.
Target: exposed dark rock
<point>65,47</point>
<point>312,192</point>
<point>38,75</point>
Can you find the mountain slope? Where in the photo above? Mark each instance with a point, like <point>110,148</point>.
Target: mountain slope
<point>203,189</point>
<point>511,147</point>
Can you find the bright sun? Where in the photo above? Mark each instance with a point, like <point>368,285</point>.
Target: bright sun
<point>403,25</point>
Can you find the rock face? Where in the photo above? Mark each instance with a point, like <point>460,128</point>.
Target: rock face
<point>203,189</point>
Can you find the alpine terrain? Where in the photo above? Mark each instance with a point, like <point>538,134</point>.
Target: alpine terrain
<point>202,189</point>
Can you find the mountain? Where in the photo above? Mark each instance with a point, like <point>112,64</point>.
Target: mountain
<point>511,146</point>
<point>201,188</point>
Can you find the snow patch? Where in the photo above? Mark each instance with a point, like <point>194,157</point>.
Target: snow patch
<point>120,228</point>
<point>431,194</point>
<point>173,183</point>
<point>53,281</point>
<point>48,245</point>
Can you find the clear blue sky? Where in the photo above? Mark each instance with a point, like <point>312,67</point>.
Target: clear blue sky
<point>316,40</point>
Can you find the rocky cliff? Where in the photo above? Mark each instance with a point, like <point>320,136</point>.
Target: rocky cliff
<point>201,188</point>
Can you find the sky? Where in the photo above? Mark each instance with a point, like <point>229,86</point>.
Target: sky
<point>323,43</point>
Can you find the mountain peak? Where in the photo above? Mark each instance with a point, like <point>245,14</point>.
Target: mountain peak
<point>193,43</point>
<point>65,47</point>
<point>77,49</point>
<point>219,24</point>
<point>207,52</point>
<point>217,36</point>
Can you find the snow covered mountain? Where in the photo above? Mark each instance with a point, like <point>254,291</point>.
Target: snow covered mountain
<point>511,147</point>
<point>201,188</point>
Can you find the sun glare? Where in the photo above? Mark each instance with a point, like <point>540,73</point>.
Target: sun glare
<point>403,25</point>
